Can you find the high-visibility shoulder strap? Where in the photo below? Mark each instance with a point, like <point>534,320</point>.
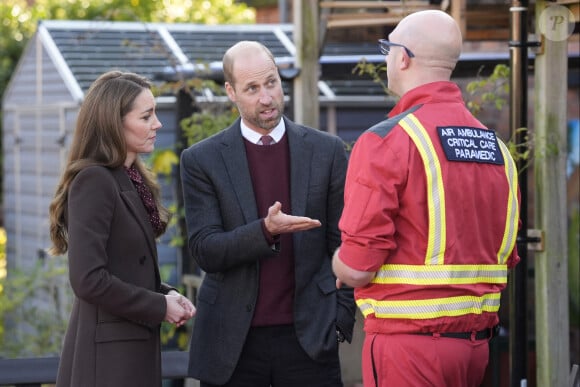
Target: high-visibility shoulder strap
<point>512,210</point>
<point>435,190</point>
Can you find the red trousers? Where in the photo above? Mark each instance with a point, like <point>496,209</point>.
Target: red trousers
<point>415,361</point>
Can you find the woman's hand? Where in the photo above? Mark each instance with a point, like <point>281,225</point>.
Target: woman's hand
<point>179,308</point>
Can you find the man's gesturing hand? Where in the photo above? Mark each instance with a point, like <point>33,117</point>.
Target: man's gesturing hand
<point>277,222</point>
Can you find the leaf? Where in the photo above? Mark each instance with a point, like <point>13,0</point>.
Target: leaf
<point>162,161</point>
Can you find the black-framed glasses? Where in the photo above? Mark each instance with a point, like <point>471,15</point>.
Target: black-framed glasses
<point>385,47</point>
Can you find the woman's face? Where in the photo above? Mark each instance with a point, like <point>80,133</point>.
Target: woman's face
<point>141,126</point>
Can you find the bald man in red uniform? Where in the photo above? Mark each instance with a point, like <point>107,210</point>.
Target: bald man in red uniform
<point>430,220</point>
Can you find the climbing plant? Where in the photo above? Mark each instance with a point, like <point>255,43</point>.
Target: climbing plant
<point>38,300</point>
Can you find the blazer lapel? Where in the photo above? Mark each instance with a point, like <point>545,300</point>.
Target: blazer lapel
<point>133,201</point>
<point>234,157</point>
<point>300,161</point>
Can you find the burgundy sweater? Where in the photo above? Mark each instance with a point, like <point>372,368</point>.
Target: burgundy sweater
<point>270,171</point>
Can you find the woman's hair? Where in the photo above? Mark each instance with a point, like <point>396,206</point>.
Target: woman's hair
<point>99,139</point>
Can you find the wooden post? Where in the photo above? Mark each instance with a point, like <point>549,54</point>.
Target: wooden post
<point>306,31</point>
<point>458,9</point>
<point>551,265</point>
<point>517,283</point>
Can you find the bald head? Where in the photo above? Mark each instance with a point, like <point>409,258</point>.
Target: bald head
<point>433,36</point>
<point>244,48</point>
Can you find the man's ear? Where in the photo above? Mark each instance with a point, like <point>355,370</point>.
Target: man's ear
<point>404,61</point>
<point>230,92</point>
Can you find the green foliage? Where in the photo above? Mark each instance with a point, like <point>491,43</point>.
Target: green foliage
<point>163,160</point>
<point>376,72</point>
<point>262,3</point>
<point>209,117</point>
<point>173,337</point>
<point>38,301</point>
<point>207,122</point>
<point>493,91</point>
<point>16,27</point>
<point>203,11</point>
<point>489,91</point>
<point>521,151</point>
<point>178,214</point>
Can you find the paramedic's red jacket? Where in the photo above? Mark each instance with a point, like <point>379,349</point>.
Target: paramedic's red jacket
<point>390,206</point>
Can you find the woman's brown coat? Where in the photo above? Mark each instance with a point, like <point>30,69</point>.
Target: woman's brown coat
<point>113,334</point>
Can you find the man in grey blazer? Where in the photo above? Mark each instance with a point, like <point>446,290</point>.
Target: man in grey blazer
<point>262,224</point>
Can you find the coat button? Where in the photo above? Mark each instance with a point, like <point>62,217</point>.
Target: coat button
<point>249,307</point>
<point>142,260</point>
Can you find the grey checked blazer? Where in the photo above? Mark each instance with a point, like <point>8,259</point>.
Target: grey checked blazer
<point>225,239</point>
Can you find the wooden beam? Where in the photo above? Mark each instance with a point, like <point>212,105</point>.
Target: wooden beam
<point>573,6</point>
<point>476,23</point>
<point>374,4</point>
<point>458,8</point>
<point>552,327</point>
<point>368,13</point>
<point>362,22</point>
<point>306,38</point>
<point>487,34</point>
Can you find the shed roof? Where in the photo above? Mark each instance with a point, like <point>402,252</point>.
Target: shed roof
<point>82,50</point>
<point>89,48</point>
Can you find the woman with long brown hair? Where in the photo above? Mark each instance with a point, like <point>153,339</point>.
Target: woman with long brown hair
<point>106,215</point>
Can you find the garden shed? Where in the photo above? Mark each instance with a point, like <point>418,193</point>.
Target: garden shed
<point>63,58</point>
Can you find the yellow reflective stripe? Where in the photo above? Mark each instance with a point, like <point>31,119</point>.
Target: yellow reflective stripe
<point>441,274</point>
<point>435,191</point>
<point>511,220</point>
<point>429,309</point>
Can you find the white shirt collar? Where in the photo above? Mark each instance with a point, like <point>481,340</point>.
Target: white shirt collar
<point>254,137</point>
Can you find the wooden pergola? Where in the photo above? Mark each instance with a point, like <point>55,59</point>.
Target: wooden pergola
<point>477,22</point>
